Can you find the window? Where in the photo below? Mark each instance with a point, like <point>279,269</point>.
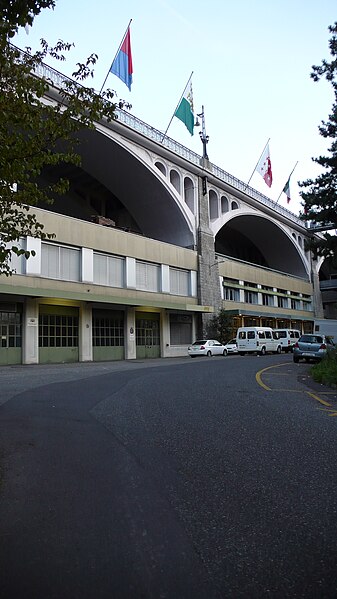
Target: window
<point>107,331</point>
<point>147,276</point>
<point>179,281</point>
<point>60,262</point>
<point>282,302</point>
<point>231,294</point>
<point>261,335</point>
<point>242,335</point>
<point>56,330</point>
<point>180,329</point>
<point>251,335</point>
<point>108,270</point>
<point>295,304</point>
<point>10,329</point>
<point>267,300</point>
<point>251,297</point>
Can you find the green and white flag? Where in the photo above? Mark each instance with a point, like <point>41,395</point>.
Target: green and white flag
<point>185,110</point>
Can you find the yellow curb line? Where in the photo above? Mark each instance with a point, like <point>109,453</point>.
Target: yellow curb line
<point>261,383</point>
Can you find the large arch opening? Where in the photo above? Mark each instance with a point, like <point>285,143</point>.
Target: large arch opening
<point>259,241</point>
<point>115,184</point>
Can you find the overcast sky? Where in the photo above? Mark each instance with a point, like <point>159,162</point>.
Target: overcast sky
<point>251,61</point>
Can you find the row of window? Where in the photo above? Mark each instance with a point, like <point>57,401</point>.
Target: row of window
<point>268,299</point>
<point>60,262</point>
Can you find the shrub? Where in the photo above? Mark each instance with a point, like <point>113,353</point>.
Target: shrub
<point>325,372</point>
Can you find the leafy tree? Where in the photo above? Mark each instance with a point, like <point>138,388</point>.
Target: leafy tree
<point>35,133</point>
<point>320,199</point>
<point>220,327</point>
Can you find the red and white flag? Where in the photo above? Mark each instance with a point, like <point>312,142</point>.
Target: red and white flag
<point>264,166</point>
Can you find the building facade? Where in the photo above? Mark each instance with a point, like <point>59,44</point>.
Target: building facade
<point>150,242</point>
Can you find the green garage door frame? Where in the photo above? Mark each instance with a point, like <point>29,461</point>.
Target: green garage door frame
<point>58,334</point>
<point>10,334</point>
<point>107,335</point>
<point>147,335</point>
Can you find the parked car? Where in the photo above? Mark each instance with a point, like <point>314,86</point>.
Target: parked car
<point>206,347</point>
<point>230,347</point>
<point>312,347</point>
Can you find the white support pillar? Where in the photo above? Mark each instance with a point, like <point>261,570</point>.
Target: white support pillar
<point>165,278</point>
<point>85,334</point>
<point>130,273</point>
<point>33,264</point>
<point>130,334</point>
<point>30,346</point>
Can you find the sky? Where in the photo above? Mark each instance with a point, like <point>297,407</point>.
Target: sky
<point>251,63</point>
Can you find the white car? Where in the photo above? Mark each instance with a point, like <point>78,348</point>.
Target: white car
<point>207,347</point>
<point>230,347</point>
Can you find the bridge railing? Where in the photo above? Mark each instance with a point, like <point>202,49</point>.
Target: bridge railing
<point>157,136</point>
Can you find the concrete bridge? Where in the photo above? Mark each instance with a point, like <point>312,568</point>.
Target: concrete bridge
<point>151,241</point>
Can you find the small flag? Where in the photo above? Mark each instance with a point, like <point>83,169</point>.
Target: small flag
<point>286,190</point>
<point>264,166</point>
<point>122,63</point>
<point>185,110</point>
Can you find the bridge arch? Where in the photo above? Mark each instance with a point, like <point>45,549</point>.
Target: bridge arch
<point>259,240</point>
<point>127,184</point>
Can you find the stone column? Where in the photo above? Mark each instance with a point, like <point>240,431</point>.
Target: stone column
<point>317,296</point>
<point>209,293</point>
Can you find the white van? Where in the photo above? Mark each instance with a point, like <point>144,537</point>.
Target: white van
<point>287,338</point>
<point>257,339</point>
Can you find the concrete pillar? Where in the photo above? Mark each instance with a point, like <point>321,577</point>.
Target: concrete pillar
<point>165,350</point>
<point>85,333</point>
<point>30,336</point>
<point>317,296</point>
<point>130,334</point>
<point>209,293</point>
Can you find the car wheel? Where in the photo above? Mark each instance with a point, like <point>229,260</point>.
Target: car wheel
<point>242,353</point>
<point>296,359</point>
<point>209,354</point>
<point>278,350</point>
<point>225,352</point>
<point>263,351</point>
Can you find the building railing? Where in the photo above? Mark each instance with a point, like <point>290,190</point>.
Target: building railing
<point>57,79</point>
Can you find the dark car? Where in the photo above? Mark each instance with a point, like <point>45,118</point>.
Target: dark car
<point>312,347</point>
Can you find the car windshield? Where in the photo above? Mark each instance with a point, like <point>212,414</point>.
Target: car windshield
<point>200,342</point>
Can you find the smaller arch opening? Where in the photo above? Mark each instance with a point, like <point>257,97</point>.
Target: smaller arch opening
<point>161,167</point>
<point>175,180</point>
<point>234,205</point>
<point>189,193</point>
<point>224,205</point>
<point>213,205</point>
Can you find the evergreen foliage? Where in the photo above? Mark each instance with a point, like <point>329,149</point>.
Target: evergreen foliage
<point>220,327</point>
<point>320,199</point>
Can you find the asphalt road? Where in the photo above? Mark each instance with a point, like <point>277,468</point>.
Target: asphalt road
<point>170,479</point>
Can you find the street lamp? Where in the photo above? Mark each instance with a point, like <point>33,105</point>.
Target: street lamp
<point>204,138</point>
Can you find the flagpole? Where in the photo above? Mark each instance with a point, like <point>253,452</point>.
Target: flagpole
<point>287,182</point>
<point>120,45</point>
<point>257,162</point>
<point>167,128</point>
